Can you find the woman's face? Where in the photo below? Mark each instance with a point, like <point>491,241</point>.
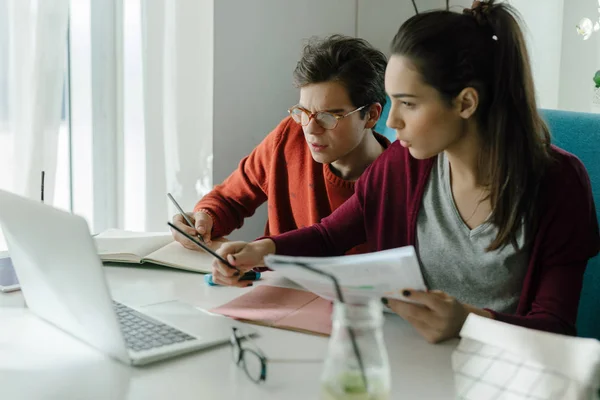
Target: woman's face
<point>424,122</point>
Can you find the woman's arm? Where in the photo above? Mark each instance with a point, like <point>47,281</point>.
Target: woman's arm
<point>555,302</point>
<point>334,235</point>
<point>342,230</point>
<point>566,239</point>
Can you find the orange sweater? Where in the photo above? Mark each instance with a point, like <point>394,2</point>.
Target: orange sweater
<point>299,191</point>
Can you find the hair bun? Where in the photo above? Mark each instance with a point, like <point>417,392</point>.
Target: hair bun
<point>479,10</point>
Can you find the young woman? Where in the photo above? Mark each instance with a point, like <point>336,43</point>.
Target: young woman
<point>503,222</point>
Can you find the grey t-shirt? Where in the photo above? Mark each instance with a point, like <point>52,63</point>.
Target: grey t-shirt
<point>453,256</point>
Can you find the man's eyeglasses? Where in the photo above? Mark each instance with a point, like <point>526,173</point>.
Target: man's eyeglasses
<point>324,119</point>
<point>254,360</point>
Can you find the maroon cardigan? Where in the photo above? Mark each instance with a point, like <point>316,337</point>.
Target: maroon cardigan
<point>383,212</point>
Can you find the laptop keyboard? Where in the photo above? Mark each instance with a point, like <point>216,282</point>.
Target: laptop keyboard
<point>142,333</point>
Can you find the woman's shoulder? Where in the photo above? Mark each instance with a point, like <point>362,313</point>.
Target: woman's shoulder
<point>566,184</point>
<point>566,169</point>
<point>568,204</point>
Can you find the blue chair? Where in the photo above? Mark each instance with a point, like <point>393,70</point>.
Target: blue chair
<point>381,127</point>
<point>577,133</point>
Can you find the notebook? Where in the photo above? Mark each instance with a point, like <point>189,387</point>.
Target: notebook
<point>115,245</point>
<point>281,307</point>
<point>496,360</point>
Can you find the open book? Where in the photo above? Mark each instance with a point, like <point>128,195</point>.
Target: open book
<point>160,248</point>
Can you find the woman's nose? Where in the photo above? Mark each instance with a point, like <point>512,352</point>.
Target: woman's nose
<point>394,121</point>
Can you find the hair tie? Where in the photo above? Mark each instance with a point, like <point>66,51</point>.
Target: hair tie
<point>480,11</point>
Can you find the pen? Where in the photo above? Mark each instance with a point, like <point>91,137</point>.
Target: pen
<point>42,188</point>
<point>185,216</point>
<point>248,276</point>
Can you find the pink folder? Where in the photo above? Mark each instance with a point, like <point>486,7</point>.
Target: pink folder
<point>283,308</point>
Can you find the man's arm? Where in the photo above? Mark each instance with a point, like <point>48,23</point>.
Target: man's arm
<point>238,197</point>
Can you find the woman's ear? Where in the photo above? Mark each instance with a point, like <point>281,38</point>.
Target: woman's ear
<point>467,102</point>
<point>373,114</point>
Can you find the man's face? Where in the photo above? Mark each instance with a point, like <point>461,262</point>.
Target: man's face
<point>330,145</point>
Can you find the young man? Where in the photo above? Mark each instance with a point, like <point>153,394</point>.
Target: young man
<point>307,166</point>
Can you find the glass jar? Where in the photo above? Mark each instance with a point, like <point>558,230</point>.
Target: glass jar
<point>342,378</point>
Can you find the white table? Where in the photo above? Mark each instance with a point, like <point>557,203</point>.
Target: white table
<point>38,361</point>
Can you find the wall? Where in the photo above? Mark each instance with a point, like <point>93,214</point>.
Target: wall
<point>379,20</point>
<point>563,63</point>
<point>544,41</point>
<point>544,33</point>
<point>580,59</point>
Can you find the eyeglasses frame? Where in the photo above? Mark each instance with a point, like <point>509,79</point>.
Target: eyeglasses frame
<point>312,115</point>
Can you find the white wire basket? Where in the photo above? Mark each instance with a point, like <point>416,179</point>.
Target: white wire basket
<point>596,97</point>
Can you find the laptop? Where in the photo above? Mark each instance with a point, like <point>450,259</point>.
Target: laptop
<point>63,282</point>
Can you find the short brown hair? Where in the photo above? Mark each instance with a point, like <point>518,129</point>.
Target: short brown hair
<point>353,62</point>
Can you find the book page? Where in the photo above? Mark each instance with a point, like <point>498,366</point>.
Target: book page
<point>361,277</point>
<point>176,256</point>
<point>128,246</point>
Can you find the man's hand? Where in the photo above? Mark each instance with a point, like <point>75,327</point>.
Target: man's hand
<point>203,224</point>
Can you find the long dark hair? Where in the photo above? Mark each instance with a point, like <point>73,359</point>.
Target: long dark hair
<point>484,48</point>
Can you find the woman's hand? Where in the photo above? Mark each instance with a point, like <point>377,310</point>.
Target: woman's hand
<point>437,316</point>
<point>244,256</point>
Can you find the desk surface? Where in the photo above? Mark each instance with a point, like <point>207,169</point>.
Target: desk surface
<point>39,361</point>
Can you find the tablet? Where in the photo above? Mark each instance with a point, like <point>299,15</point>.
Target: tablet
<point>8,277</point>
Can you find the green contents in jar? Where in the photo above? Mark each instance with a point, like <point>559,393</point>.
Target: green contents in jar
<point>352,387</point>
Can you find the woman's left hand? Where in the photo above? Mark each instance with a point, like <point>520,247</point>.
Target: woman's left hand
<point>437,317</point>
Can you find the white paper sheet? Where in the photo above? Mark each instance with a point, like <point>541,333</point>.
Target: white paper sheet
<point>363,276</point>
<point>495,360</point>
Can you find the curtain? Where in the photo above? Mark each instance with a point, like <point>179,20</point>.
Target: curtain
<point>32,63</point>
<point>168,112</point>
<point>37,45</point>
